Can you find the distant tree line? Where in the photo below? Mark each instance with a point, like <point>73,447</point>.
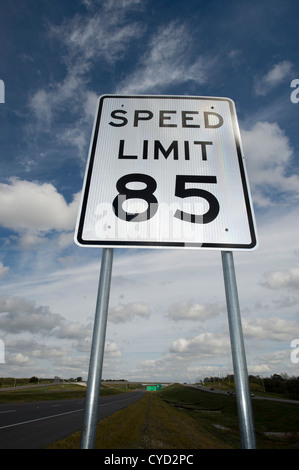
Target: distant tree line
<point>15,381</point>
<point>287,386</point>
<point>281,384</point>
<point>115,380</point>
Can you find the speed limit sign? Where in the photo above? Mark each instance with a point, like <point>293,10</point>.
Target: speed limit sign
<point>166,171</point>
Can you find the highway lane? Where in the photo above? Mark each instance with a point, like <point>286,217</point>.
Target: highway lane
<point>34,425</point>
<point>255,397</point>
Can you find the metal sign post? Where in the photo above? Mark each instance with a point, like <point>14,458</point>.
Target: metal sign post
<point>90,420</point>
<point>245,414</point>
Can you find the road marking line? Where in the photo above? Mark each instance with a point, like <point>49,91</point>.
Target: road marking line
<point>40,419</point>
<point>54,416</point>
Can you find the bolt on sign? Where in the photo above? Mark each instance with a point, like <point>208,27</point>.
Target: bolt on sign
<point>166,171</point>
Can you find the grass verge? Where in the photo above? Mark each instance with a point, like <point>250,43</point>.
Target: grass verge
<point>43,394</point>
<point>149,423</point>
<point>276,423</point>
<point>183,418</point>
<point>54,392</point>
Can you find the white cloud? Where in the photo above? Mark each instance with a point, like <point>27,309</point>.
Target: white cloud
<point>268,154</point>
<point>18,315</point>
<point>123,313</point>
<point>90,103</point>
<point>166,63</point>
<point>259,369</point>
<point>34,207</point>
<point>111,350</point>
<point>277,329</point>
<point>102,35</point>
<point>114,4</point>
<point>282,279</point>
<point>189,358</point>
<point>27,240</point>
<point>203,345</point>
<point>117,4</point>
<point>276,75</point>
<point>22,320</point>
<point>276,358</point>
<point>3,270</point>
<point>76,137</point>
<point>73,330</point>
<point>193,311</point>
<point>40,351</point>
<point>41,104</point>
<point>19,359</point>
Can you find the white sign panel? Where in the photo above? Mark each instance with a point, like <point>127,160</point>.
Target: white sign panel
<point>166,171</point>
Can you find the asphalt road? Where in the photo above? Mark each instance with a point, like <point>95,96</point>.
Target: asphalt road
<point>212,390</point>
<point>34,425</point>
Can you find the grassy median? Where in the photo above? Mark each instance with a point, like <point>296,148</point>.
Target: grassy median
<point>183,418</point>
<point>149,423</point>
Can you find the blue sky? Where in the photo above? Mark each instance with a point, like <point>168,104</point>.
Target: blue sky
<point>167,318</point>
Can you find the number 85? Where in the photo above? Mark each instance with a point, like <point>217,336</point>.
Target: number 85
<point>147,194</point>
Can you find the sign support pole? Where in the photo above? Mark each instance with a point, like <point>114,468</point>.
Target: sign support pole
<point>246,423</point>
<point>90,420</point>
